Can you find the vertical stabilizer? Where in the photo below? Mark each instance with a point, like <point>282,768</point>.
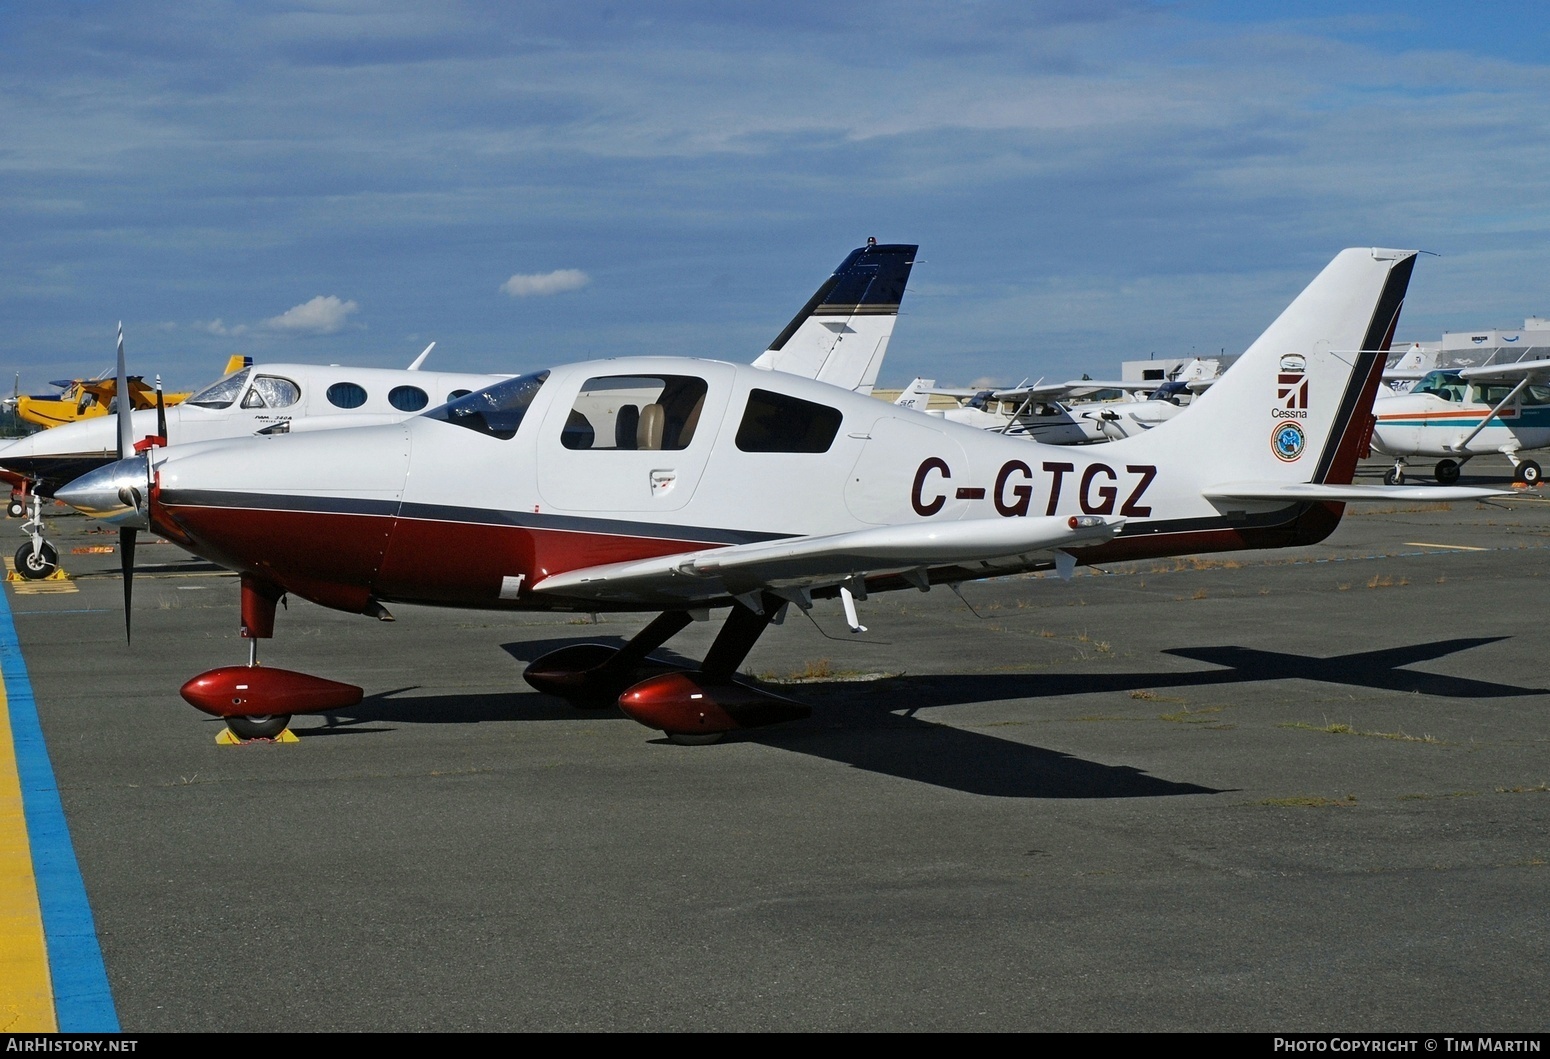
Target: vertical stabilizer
<point>916,395</point>
<point>842,333</point>
<point>1297,405</point>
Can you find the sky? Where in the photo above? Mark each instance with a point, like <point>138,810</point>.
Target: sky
<point>1090,181</point>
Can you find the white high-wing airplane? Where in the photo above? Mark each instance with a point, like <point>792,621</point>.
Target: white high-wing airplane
<point>839,336</point>
<point>1454,416</point>
<point>1056,414</point>
<point>680,486</point>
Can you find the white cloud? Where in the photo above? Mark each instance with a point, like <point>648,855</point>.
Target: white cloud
<point>218,327</point>
<point>539,285</point>
<point>323,315</point>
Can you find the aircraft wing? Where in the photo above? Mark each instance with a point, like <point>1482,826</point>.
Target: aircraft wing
<point>1536,371</point>
<point>1048,391</point>
<point>824,561</point>
<point>1291,491</point>
<point>1075,388</point>
<point>953,391</point>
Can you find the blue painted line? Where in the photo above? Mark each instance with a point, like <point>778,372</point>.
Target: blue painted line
<point>83,1003</point>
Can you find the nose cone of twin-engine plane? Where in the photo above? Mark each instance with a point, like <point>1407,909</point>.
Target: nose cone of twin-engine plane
<point>116,494</point>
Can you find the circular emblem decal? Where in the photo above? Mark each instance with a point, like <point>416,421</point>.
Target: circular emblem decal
<point>1286,442</point>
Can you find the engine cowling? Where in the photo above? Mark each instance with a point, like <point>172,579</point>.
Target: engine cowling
<point>688,704</point>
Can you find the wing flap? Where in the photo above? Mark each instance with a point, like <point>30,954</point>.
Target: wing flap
<point>1293,491</point>
<point>813,562</point>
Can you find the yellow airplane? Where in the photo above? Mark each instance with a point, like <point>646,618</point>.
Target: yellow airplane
<point>87,398</point>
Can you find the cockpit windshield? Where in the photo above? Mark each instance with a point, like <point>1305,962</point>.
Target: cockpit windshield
<point>222,393</point>
<point>495,410</point>
<point>1444,384</point>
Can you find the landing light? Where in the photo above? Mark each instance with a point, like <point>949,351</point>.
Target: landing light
<point>1084,521</point>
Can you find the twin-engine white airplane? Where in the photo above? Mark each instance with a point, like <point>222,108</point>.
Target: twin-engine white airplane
<point>684,486</point>
<point>840,336</point>
<point>1454,416</point>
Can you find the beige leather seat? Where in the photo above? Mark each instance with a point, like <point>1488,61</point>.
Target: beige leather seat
<point>686,435</point>
<point>649,434</point>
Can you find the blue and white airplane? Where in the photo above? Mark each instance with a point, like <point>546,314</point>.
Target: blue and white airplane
<point>1454,416</point>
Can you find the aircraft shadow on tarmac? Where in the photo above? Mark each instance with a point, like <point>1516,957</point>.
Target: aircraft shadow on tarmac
<point>873,725</point>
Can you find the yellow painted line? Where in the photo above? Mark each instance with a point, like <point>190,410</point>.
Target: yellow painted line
<point>54,585</point>
<point>1449,547</point>
<point>26,994</point>
<point>43,588</point>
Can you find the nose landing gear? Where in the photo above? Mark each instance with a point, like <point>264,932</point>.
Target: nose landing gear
<point>36,559</point>
<point>254,701</point>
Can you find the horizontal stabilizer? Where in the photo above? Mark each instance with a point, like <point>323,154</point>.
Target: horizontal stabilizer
<point>1285,491</point>
<point>828,560</point>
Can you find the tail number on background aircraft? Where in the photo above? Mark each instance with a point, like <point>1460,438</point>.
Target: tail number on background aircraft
<point>1097,490</point>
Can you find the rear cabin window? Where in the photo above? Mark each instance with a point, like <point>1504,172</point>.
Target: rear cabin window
<point>774,422</point>
<point>408,398</point>
<point>346,395</point>
<point>652,412</point>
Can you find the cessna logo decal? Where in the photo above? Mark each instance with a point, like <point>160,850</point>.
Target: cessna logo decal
<point>1292,392</point>
<point>1292,388</point>
<point>1098,488</point>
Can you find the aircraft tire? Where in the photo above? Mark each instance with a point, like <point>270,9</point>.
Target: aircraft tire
<point>1528,473</point>
<point>265,726</point>
<point>1447,472</point>
<point>35,566</point>
<point>15,509</point>
<point>1393,476</point>
<point>694,738</point>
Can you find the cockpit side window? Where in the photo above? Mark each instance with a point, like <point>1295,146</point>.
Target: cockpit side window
<point>271,391</point>
<point>635,412</point>
<point>223,392</point>
<point>495,410</point>
<point>774,422</point>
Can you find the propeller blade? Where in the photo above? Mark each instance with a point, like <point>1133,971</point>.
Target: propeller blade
<point>161,412</point>
<point>126,566</point>
<point>126,428</point>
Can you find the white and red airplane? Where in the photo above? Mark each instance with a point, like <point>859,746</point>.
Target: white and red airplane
<point>682,486</point>
<point>840,337</point>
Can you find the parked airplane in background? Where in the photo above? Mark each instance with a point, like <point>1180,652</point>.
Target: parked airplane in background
<point>84,399</point>
<point>1454,416</point>
<point>1068,413</point>
<point>841,334</point>
<point>268,398</point>
<point>679,486</point>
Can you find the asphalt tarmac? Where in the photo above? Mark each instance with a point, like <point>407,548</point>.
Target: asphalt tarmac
<point>1269,791</point>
